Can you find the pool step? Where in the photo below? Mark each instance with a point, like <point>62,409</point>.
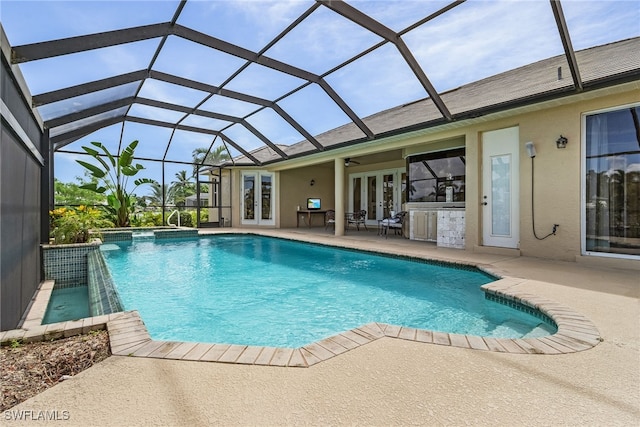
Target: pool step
<point>542,330</point>
<point>109,247</point>
<point>511,327</point>
<point>145,235</point>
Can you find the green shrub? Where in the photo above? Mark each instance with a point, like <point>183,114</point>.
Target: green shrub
<point>147,219</point>
<point>69,225</point>
<point>185,219</point>
<point>204,216</point>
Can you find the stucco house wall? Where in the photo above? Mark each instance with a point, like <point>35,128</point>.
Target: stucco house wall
<point>295,188</point>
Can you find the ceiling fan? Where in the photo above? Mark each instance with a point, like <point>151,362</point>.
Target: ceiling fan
<point>348,161</point>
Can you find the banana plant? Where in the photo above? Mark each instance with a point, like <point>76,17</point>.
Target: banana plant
<point>113,178</point>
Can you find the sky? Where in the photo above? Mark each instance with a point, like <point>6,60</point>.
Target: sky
<point>474,40</point>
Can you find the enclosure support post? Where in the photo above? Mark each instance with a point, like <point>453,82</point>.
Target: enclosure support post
<point>339,195</point>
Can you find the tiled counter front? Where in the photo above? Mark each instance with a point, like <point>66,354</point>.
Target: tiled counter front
<point>451,228</point>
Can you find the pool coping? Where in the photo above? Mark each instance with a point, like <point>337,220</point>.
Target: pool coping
<point>129,336</point>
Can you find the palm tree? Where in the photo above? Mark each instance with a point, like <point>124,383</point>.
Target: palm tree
<point>155,199</point>
<point>182,187</point>
<point>203,157</point>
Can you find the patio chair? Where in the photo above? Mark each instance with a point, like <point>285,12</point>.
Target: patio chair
<point>330,218</point>
<point>358,218</point>
<point>395,222</point>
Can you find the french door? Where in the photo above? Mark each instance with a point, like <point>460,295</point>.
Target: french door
<point>258,198</point>
<point>500,184</point>
<point>378,192</point>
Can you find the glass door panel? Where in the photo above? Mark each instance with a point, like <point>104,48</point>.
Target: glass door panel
<point>266,191</point>
<point>372,197</point>
<point>388,195</point>
<point>258,200</point>
<point>501,195</point>
<point>249,197</point>
<point>356,194</point>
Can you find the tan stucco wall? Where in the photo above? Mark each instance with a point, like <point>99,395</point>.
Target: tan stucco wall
<point>235,198</point>
<point>295,188</point>
<point>557,184</point>
<point>558,177</point>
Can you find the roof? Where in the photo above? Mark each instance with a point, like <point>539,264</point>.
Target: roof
<point>193,74</point>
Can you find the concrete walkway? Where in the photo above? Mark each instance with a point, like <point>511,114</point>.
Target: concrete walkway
<point>389,381</point>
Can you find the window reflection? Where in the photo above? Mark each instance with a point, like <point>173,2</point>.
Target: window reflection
<point>437,177</point>
<point>612,210</point>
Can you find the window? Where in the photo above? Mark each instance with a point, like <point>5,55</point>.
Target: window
<point>437,177</point>
<point>612,182</point>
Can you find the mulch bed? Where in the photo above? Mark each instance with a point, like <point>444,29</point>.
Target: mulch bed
<point>29,369</point>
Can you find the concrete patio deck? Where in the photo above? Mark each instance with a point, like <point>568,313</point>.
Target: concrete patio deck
<point>391,381</point>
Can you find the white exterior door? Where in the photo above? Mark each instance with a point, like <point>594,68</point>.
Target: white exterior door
<point>500,178</point>
<point>378,192</point>
<point>258,199</point>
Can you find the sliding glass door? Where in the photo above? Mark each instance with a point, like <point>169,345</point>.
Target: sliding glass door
<point>611,189</point>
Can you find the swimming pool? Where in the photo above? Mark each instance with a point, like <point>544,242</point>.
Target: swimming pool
<point>263,291</point>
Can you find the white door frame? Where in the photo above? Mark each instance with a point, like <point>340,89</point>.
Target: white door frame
<point>501,188</point>
<point>378,174</point>
<point>257,198</point>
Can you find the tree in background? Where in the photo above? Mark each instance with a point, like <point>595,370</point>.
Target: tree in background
<point>182,188</point>
<point>72,194</point>
<point>202,157</point>
<point>157,192</point>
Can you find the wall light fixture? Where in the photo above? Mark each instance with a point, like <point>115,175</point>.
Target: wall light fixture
<point>561,142</point>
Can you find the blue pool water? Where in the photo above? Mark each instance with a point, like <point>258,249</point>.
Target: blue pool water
<point>67,304</point>
<point>255,290</point>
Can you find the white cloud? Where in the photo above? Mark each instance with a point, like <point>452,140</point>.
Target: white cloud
<point>274,127</point>
<point>633,167</point>
<point>124,58</point>
<point>322,41</point>
<point>273,14</point>
<point>379,81</point>
<point>479,39</point>
<point>399,14</point>
<point>593,23</point>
